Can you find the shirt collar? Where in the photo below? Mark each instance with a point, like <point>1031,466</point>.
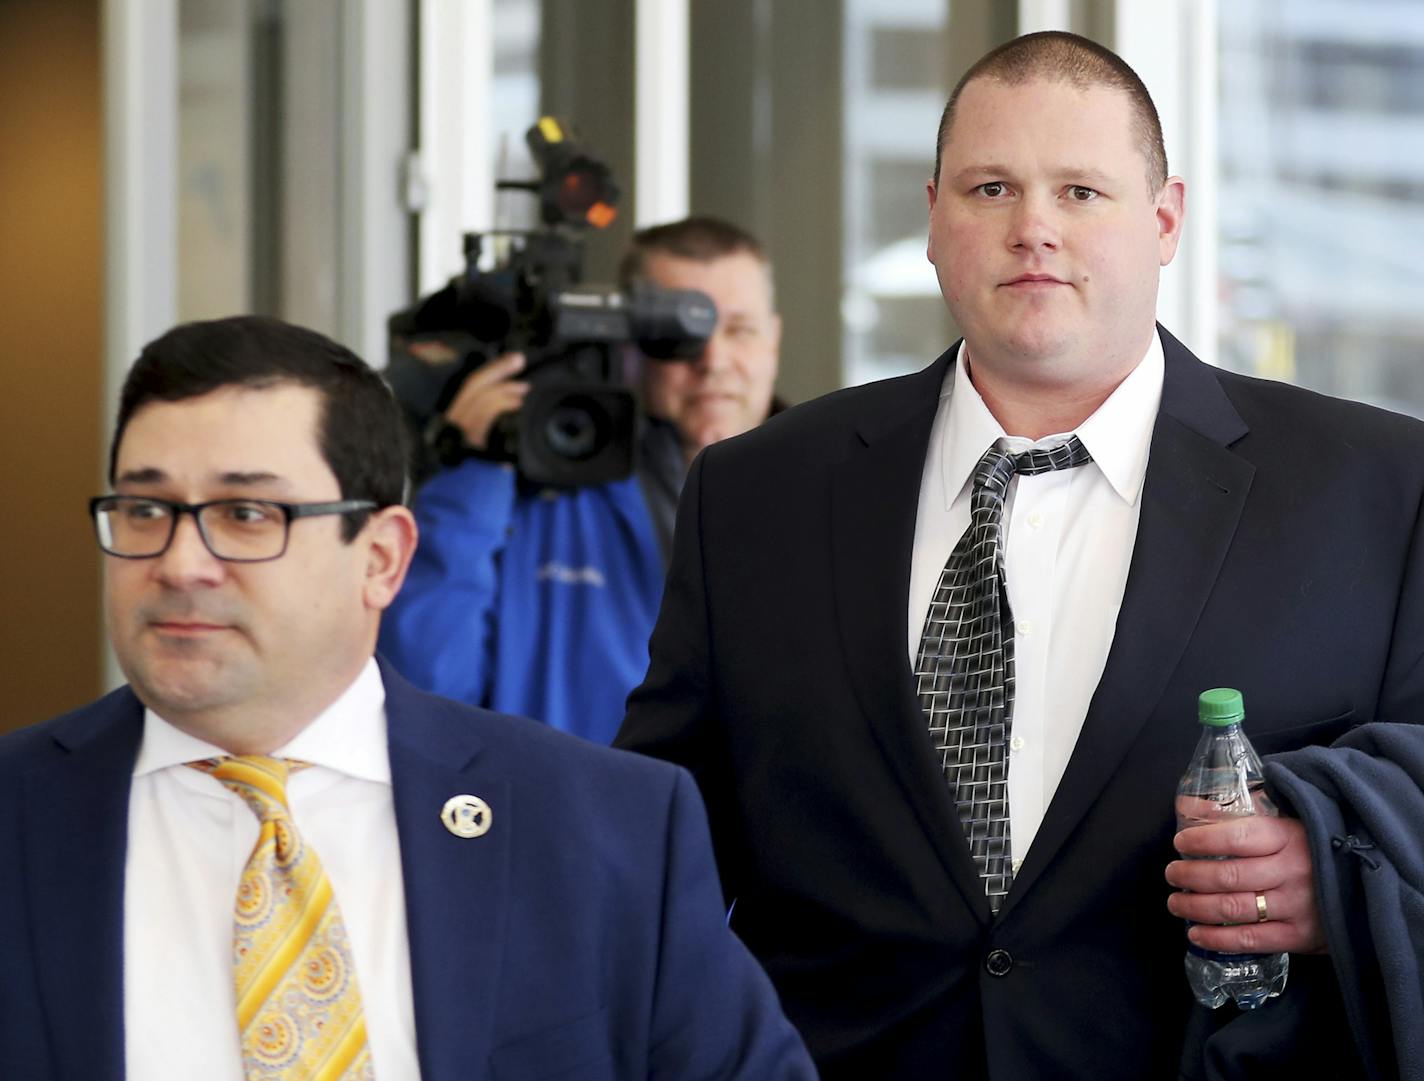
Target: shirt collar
<point>349,736</point>
<point>1118,434</point>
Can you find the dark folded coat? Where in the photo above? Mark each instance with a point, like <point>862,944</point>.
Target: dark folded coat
<point>1362,802</point>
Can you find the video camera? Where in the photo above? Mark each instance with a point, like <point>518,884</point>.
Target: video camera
<point>578,424</point>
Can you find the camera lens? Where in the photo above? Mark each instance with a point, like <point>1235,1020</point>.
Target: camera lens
<point>577,428</point>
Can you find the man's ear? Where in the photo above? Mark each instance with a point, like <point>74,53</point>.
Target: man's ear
<point>932,193</point>
<point>1171,210</point>
<point>390,537</point>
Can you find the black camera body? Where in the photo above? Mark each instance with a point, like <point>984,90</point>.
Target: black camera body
<point>578,424</point>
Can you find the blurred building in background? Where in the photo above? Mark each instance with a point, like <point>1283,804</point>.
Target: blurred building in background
<point>318,160</point>
<point>1321,199</point>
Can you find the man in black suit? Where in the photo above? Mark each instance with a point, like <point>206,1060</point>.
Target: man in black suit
<point>1226,531</point>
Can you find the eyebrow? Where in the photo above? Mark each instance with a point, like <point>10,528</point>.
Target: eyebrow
<point>988,168</point>
<point>1077,173</point>
<point>141,476</point>
<point>244,479</point>
<point>152,475</point>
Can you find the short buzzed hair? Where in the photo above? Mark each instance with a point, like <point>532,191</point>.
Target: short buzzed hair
<point>700,238</point>
<point>1055,55</point>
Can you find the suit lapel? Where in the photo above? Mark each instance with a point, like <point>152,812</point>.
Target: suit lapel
<point>76,809</point>
<point>875,495</point>
<point>456,888</point>
<point>75,845</point>
<point>1192,500</point>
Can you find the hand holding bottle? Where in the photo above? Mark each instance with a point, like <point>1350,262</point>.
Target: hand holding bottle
<point>1227,864</point>
<point>1224,785</point>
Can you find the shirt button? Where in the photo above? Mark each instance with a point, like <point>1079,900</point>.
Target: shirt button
<point>1024,626</point>
<point>1035,520</point>
<point>998,963</point>
<point>1016,744</point>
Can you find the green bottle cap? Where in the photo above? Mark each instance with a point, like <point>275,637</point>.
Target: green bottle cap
<point>1220,706</point>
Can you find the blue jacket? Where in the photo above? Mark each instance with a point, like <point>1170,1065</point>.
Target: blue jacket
<point>534,604</point>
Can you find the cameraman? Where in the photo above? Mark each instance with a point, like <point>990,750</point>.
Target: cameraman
<point>540,602</point>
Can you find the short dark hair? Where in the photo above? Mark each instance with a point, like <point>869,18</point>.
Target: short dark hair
<point>701,238</point>
<point>359,430</point>
<point>1056,55</point>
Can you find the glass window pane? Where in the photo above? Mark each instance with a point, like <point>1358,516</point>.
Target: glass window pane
<point>901,59</point>
<point>1321,114</point>
<point>214,159</point>
<point>894,319</point>
<point>515,105</point>
<point>259,122</point>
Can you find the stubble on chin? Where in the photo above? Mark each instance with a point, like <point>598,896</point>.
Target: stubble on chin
<point>178,676</point>
<point>181,681</point>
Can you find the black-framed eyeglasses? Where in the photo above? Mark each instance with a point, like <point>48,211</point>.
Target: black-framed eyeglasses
<point>234,530</point>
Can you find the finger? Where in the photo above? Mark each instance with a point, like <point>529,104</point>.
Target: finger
<point>1304,934</point>
<point>1274,936</point>
<point>506,393</point>
<point>477,415</point>
<point>491,373</point>
<point>1236,908</point>
<point>1247,875</point>
<point>487,402</point>
<point>1253,835</point>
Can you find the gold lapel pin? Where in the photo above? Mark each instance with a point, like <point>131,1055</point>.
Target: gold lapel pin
<point>466,816</point>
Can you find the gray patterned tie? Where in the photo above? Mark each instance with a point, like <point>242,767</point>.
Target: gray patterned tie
<point>965,668</point>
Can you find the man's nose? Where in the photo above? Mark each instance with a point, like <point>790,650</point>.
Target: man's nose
<point>187,560</point>
<point>716,355</point>
<point>1034,226</point>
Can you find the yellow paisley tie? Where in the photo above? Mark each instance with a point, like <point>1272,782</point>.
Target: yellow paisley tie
<point>298,1006</point>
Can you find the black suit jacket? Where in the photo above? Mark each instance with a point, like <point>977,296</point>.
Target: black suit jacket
<point>1278,551</point>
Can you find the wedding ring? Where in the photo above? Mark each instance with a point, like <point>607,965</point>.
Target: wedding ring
<point>1261,916</point>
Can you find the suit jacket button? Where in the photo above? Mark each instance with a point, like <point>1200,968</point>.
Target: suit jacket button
<point>998,963</point>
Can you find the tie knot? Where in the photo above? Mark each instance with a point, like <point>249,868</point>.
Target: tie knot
<point>259,779</point>
<point>998,466</point>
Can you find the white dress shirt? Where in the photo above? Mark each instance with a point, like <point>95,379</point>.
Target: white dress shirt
<point>1068,537</point>
<point>189,839</point>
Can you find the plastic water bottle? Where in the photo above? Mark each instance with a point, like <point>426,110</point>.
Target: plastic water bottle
<point>1224,780</point>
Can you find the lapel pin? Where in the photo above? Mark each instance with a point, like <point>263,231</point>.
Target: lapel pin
<point>466,816</point>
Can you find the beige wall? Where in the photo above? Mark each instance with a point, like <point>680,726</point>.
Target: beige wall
<point>50,355</point>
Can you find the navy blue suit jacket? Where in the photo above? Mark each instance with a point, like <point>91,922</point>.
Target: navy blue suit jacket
<point>1278,551</point>
<point>582,936</point>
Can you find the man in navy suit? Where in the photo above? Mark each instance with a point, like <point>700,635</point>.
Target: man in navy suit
<point>514,903</point>
<point>1226,532</point>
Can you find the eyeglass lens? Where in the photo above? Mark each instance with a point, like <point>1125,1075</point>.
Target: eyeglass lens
<point>236,529</point>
